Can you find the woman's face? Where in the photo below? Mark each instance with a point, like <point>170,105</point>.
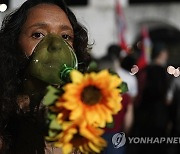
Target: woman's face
<point>41,20</point>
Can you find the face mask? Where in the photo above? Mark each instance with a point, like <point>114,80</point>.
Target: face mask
<point>49,58</point>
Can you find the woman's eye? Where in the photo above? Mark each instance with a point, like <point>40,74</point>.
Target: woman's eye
<point>37,35</point>
<point>67,37</point>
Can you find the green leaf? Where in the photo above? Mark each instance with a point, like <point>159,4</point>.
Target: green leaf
<point>123,87</point>
<point>55,125</point>
<point>52,133</point>
<point>93,67</point>
<point>110,125</point>
<point>51,116</point>
<point>51,96</point>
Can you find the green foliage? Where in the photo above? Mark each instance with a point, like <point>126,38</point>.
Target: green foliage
<point>110,125</point>
<point>54,125</point>
<point>123,87</point>
<point>51,96</point>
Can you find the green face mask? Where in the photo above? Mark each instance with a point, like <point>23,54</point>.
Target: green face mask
<point>49,58</point>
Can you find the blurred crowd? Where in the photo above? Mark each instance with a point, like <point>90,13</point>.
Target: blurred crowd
<point>151,107</point>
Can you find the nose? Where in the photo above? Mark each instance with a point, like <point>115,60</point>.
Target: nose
<point>54,45</point>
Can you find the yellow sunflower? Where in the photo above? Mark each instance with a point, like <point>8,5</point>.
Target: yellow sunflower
<point>95,96</point>
<point>80,136</point>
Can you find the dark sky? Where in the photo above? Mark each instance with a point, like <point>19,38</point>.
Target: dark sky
<point>76,2</point>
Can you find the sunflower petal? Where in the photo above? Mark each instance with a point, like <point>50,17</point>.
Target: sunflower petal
<point>76,113</point>
<point>67,148</point>
<point>76,76</point>
<point>93,147</point>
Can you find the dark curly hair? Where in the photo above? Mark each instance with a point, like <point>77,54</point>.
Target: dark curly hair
<point>13,61</point>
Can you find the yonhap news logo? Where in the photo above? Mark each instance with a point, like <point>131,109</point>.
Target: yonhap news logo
<point>120,139</point>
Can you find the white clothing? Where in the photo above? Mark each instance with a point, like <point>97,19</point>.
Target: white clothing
<point>130,80</point>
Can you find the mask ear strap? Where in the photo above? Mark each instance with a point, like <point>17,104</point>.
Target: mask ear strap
<point>74,54</point>
<point>30,56</point>
<point>75,60</point>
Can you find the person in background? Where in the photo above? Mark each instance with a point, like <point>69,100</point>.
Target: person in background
<point>109,59</point>
<point>22,121</point>
<point>174,105</point>
<point>151,110</point>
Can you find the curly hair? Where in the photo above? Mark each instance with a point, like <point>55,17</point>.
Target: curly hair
<point>13,61</point>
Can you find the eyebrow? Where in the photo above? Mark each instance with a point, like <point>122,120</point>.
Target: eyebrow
<point>65,27</point>
<point>42,24</point>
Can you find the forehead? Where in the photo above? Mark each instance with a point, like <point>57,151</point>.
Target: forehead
<point>49,12</point>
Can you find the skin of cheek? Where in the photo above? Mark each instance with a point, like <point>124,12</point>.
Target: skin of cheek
<point>27,45</point>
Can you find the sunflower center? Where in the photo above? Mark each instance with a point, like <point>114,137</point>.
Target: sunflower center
<point>91,95</point>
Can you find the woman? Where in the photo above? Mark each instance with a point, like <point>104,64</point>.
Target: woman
<point>22,128</point>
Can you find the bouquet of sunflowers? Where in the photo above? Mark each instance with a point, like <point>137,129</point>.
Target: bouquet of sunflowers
<point>80,110</point>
